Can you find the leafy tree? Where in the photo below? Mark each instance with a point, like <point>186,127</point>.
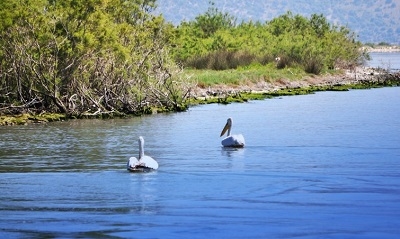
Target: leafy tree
<point>88,57</point>
<point>319,24</point>
<point>312,43</point>
<point>213,20</point>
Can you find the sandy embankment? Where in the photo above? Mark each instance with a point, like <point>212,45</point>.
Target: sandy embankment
<point>382,49</point>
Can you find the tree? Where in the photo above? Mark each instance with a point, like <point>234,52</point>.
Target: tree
<point>319,24</point>
<point>213,20</point>
<point>91,57</point>
<point>311,43</point>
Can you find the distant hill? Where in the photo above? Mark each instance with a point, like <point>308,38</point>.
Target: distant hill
<point>374,21</point>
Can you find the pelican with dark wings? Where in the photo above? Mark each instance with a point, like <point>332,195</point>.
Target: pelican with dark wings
<point>236,140</point>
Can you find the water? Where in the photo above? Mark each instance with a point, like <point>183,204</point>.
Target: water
<point>325,165</point>
<point>385,60</point>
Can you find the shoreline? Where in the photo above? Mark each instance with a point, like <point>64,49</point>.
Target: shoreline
<point>358,78</point>
<point>385,49</point>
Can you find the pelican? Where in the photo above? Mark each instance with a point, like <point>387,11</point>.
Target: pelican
<point>236,141</point>
<point>144,163</point>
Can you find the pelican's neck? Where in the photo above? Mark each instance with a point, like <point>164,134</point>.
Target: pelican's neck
<point>141,148</point>
<point>229,131</point>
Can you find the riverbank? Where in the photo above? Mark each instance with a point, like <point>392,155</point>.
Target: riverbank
<point>382,49</point>
<point>359,78</point>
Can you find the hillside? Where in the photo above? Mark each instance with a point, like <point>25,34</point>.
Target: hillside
<point>373,20</point>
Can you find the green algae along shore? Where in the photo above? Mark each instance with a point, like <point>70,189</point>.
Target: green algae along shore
<point>358,78</point>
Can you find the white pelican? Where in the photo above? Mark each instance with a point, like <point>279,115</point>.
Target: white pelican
<point>236,141</point>
<point>144,163</point>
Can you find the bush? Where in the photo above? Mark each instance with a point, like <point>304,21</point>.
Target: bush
<point>283,61</point>
<point>313,65</point>
<point>265,59</point>
<point>221,60</point>
<point>291,37</point>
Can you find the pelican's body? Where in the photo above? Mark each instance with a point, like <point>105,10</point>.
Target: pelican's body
<point>236,141</point>
<point>144,163</point>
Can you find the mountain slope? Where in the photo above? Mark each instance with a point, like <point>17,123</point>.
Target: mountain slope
<point>373,20</point>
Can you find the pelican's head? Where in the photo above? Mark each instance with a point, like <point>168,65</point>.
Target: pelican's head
<point>141,147</point>
<point>141,140</point>
<point>227,127</point>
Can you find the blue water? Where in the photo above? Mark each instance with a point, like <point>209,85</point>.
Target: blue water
<point>385,60</point>
<point>325,165</point>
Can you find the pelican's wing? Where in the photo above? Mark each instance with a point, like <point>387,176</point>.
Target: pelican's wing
<point>233,141</point>
<point>149,162</point>
<point>239,139</point>
<point>132,162</point>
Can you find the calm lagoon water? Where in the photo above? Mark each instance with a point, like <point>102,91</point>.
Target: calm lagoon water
<point>325,165</point>
<point>386,60</point>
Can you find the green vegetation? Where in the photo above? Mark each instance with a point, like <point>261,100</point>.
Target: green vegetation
<point>86,57</point>
<point>243,75</point>
<point>374,21</point>
<point>21,119</point>
<point>386,81</point>
<point>101,58</point>
<point>214,41</point>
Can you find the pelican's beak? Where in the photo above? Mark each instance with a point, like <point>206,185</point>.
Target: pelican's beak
<point>224,129</point>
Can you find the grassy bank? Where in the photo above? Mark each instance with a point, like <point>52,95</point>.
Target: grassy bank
<point>249,83</point>
<point>243,75</point>
<point>22,119</point>
<point>256,83</point>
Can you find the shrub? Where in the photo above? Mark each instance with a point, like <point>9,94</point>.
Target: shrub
<point>313,65</point>
<point>221,60</point>
<point>283,61</point>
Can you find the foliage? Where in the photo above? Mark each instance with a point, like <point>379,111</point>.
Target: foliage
<point>86,57</point>
<point>373,20</point>
<point>243,75</point>
<point>97,57</point>
<point>212,21</point>
<point>312,43</point>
